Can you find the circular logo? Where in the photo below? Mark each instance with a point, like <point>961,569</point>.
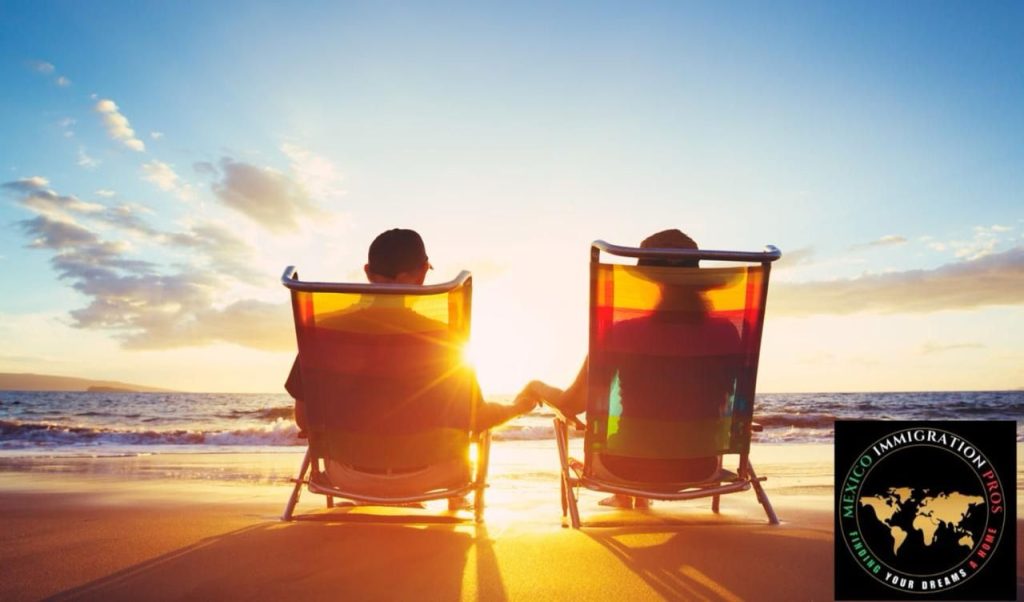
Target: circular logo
<point>921,510</point>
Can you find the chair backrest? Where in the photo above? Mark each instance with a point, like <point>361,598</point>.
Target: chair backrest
<point>673,353</point>
<point>383,376</point>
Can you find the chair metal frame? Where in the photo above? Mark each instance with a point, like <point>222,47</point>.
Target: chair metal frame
<point>745,478</point>
<point>310,469</point>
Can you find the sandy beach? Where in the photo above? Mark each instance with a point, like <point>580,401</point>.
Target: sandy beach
<point>205,526</point>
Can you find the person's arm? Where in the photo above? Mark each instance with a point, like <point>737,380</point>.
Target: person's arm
<point>571,401</point>
<point>490,415</point>
<point>294,387</point>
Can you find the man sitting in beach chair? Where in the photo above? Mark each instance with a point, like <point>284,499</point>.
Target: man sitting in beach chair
<point>668,383</point>
<point>380,384</point>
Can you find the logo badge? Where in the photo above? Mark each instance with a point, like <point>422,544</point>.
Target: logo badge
<point>925,510</point>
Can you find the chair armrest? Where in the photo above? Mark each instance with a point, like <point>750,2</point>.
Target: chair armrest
<point>756,427</point>
<point>570,420</point>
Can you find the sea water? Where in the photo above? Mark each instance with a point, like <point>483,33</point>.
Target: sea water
<point>97,424</point>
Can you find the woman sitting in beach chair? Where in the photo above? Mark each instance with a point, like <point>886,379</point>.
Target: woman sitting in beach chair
<point>668,384</point>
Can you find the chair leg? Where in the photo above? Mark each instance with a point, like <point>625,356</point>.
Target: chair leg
<point>330,501</point>
<point>478,503</point>
<point>568,499</point>
<point>483,463</point>
<point>574,511</point>
<point>762,496</point>
<point>714,503</point>
<point>299,482</point>
<point>565,502</point>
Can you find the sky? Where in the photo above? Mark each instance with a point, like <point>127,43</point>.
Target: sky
<point>163,162</point>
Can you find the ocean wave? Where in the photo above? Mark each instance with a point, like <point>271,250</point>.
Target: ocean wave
<point>16,434</point>
<point>523,433</point>
<point>270,414</point>
<point>795,420</point>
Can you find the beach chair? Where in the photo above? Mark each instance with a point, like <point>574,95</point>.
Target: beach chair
<point>390,403</point>
<point>672,369</point>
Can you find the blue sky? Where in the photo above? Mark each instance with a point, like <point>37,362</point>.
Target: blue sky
<point>162,163</point>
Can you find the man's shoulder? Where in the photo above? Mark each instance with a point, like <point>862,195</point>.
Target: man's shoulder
<point>381,320</point>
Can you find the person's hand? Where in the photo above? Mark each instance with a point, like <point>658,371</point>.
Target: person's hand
<point>526,401</point>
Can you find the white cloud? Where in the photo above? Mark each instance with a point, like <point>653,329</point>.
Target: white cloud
<point>164,176</point>
<point>29,183</point>
<point>105,193</point>
<point>790,259</point>
<point>316,173</point>
<point>48,69</point>
<point>42,67</point>
<point>160,174</point>
<point>36,196</point>
<point>995,279</point>
<point>86,161</point>
<point>156,135</point>
<point>66,125</point>
<point>265,195</point>
<point>889,239</point>
<point>117,125</point>
<point>144,304</point>
<point>885,241</point>
<point>983,243</point>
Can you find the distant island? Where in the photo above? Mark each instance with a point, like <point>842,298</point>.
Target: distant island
<point>48,382</point>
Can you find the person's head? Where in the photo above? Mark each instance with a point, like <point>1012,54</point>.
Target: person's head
<point>669,239</point>
<point>397,256</point>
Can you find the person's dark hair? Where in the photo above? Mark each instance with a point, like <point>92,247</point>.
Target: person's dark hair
<point>669,239</point>
<point>396,251</point>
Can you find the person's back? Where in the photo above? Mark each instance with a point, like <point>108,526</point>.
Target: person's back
<point>383,362</point>
<point>400,371</point>
<point>645,381</point>
<point>660,371</point>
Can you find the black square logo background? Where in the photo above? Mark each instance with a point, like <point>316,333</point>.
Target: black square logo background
<point>996,440</point>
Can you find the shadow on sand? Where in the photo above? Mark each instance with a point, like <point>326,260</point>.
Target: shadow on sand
<point>336,555</point>
<point>718,557</point>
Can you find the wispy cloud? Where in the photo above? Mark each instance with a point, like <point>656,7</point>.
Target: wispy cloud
<point>42,67</point>
<point>316,173</point>
<point>796,257</point>
<point>85,160</point>
<point>984,240</point>
<point>105,193</point>
<point>263,194</point>
<point>156,135</point>
<point>225,253</point>
<point>164,176</point>
<point>49,233</point>
<point>117,125</point>
<point>49,70</point>
<point>885,241</point>
<point>36,195</point>
<point>931,347</point>
<point>996,279</point>
<point>66,124</point>
<point>27,184</point>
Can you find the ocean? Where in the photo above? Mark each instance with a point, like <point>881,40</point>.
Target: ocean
<point>35,423</point>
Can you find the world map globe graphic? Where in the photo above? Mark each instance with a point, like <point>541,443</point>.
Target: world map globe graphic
<point>924,514</point>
